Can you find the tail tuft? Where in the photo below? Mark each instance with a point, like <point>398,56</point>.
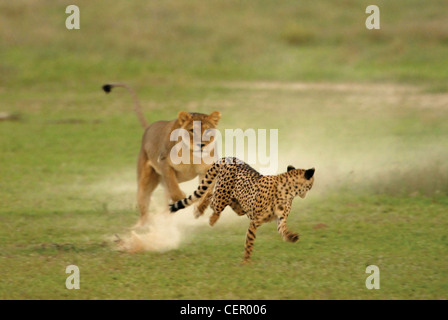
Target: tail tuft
<point>177,206</point>
<point>107,88</point>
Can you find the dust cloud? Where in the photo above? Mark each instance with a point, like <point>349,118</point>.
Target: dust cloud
<point>164,231</point>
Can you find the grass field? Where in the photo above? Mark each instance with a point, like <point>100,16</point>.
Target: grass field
<point>368,109</point>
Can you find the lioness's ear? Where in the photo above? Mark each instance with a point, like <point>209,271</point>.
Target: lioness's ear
<point>290,168</point>
<point>183,116</point>
<point>309,173</point>
<point>214,117</point>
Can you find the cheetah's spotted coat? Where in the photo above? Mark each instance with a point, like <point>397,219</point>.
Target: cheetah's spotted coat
<point>261,198</point>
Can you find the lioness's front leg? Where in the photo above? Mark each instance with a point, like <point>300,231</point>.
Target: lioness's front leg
<point>171,184</point>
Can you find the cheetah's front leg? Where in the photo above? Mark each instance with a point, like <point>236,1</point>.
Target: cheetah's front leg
<point>283,230</point>
<point>282,212</point>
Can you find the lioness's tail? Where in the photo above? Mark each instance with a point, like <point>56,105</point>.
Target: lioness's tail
<point>138,109</point>
<point>210,176</point>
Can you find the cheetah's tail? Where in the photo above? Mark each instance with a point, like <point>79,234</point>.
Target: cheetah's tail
<point>210,176</point>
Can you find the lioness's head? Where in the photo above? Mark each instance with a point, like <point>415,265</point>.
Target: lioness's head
<point>198,126</point>
<point>301,180</point>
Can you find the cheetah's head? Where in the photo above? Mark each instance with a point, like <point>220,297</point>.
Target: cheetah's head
<point>302,180</point>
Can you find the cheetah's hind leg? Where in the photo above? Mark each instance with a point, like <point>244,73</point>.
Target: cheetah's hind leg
<point>202,205</point>
<point>218,205</point>
<point>235,205</point>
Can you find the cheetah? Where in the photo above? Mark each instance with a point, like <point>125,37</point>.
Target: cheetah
<point>247,192</point>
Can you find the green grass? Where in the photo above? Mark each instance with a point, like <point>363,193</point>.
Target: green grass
<point>366,108</point>
<point>68,187</point>
<point>405,238</point>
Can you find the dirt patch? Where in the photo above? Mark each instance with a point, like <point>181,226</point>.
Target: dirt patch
<point>303,86</point>
<point>398,94</point>
<point>320,226</point>
<point>5,116</point>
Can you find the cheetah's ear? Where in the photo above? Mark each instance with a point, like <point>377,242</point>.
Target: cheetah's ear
<point>309,173</point>
<point>290,168</point>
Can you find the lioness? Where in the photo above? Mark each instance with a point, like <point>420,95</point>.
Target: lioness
<point>154,162</point>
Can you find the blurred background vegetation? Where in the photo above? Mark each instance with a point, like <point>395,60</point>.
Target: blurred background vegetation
<point>367,108</point>
<point>222,40</point>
